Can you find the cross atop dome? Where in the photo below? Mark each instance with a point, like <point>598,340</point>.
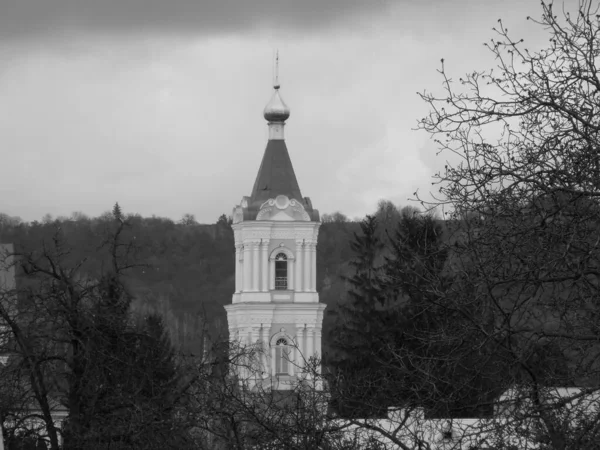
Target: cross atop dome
<point>276,110</point>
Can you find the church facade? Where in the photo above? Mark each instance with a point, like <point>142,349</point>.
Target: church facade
<point>275,307</point>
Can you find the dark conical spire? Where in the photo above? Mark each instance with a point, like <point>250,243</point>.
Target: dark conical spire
<point>276,175</point>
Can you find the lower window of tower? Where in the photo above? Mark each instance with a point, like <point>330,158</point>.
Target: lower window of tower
<point>282,357</point>
<point>281,272</point>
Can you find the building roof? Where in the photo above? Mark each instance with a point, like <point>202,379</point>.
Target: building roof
<point>275,176</point>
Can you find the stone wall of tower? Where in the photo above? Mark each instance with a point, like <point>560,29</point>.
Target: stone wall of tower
<point>259,313</point>
<point>261,325</point>
<point>256,245</point>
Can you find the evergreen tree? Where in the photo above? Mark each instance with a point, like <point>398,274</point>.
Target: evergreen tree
<point>356,381</point>
<point>117,213</point>
<point>128,394</point>
<point>395,333</point>
<point>431,346</point>
<point>366,289</point>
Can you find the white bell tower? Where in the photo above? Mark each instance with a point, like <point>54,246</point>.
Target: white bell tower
<point>276,306</point>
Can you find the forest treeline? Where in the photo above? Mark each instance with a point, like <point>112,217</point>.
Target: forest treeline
<point>185,270</point>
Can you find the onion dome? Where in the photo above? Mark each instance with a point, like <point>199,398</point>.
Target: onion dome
<point>276,110</point>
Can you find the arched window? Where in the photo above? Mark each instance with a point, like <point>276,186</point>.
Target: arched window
<point>282,357</point>
<point>281,272</point>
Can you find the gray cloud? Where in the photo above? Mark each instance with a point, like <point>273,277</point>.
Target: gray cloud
<point>38,18</point>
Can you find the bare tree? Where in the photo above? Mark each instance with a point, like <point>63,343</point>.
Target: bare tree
<point>523,204</point>
<point>235,405</point>
<point>188,219</point>
<point>336,217</point>
<point>75,348</point>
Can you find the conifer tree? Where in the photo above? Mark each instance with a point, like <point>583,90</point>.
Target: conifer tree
<point>117,213</point>
<point>355,379</point>
<point>396,329</point>
<point>366,289</point>
<point>424,326</point>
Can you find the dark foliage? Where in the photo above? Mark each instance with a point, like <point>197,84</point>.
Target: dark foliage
<point>393,343</point>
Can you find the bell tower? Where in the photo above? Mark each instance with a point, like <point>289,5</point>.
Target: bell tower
<point>275,306</point>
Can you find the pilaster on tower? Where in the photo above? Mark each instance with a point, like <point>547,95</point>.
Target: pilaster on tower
<point>275,304</point>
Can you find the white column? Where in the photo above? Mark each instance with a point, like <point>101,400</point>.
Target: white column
<point>235,335</point>
<point>299,286</point>
<point>310,342</point>
<point>292,361</point>
<point>271,274</point>
<point>265,348</point>
<point>255,265</point>
<point>295,357</point>
<point>300,356</point>
<point>318,334</point>
<point>245,337</point>
<point>265,266</point>
<point>273,360</point>
<point>307,270</point>
<point>239,268</point>
<point>238,273</point>
<point>313,267</point>
<point>291,269</point>
<point>247,263</point>
<point>254,361</point>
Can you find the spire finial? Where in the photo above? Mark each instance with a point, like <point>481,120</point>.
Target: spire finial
<point>276,77</point>
<point>276,110</point>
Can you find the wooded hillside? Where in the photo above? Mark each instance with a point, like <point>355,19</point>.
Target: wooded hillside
<point>186,269</point>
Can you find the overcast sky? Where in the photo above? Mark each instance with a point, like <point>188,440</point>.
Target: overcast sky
<point>158,104</point>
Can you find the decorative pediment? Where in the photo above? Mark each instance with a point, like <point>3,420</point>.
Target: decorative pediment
<point>282,208</point>
<point>237,215</point>
<point>238,211</point>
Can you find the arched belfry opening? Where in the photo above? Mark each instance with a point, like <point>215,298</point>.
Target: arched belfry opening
<point>276,232</point>
<point>283,357</point>
<point>281,272</point>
